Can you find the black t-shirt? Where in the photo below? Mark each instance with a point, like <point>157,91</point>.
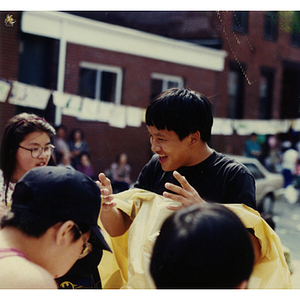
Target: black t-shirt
<point>84,273</point>
<point>217,179</point>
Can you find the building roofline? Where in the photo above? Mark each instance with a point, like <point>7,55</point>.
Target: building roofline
<point>79,30</point>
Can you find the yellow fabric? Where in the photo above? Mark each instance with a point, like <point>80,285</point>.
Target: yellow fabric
<point>128,266</point>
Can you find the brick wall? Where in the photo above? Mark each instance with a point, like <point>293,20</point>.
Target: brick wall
<point>253,50</point>
<point>105,141</point>
<point>9,60</point>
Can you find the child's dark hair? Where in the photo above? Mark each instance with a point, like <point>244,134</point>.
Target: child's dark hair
<point>17,128</point>
<point>182,111</point>
<point>202,246</point>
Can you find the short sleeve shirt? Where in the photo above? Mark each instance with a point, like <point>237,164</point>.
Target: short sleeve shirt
<point>218,179</point>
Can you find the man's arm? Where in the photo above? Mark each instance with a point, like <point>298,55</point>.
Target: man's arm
<point>115,222</point>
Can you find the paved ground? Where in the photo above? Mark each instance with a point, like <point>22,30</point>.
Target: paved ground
<point>287,220</point>
<point>295,277</point>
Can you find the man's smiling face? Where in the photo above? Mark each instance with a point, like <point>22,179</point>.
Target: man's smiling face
<point>173,153</point>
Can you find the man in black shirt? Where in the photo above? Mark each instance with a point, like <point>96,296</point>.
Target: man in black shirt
<point>217,179</point>
<point>184,168</point>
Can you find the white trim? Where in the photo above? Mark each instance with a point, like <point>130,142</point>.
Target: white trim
<point>156,75</point>
<point>97,34</point>
<point>166,78</point>
<point>95,66</point>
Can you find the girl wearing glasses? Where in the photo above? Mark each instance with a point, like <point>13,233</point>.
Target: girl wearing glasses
<point>26,144</point>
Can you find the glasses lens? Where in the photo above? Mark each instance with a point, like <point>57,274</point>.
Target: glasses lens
<point>47,151</point>
<point>36,152</point>
<point>87,248</point>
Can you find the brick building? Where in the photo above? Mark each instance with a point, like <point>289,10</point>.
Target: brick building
<point>65,53</point>
<point>247,63</point>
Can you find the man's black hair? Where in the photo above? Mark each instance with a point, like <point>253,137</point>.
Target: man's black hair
<point>182,111</point>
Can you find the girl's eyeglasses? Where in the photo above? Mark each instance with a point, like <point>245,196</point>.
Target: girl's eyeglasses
<point>87,247</point>
<point>37,151</point>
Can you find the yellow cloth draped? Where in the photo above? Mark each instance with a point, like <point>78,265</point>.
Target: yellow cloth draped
<point>128,266</point>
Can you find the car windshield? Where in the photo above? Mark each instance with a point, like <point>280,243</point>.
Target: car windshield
<point>254,170</point>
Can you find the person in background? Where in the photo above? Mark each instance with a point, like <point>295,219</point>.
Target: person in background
<point>26,144</point>
<point>77,145</point>
<point>66,160</point>
<point>202,247</point>
<point>252,147</point>
<point>52,224</point>
<point>290,159</point>
<point>272,161</point>
<point>61,146</point>
<point>85,165</point>
<point>120,173</point>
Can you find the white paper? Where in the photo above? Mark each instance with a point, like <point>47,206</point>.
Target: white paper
<point>133,116</point>
<point>28,95</point>
<point>4,90</point>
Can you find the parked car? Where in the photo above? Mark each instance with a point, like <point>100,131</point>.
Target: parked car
<point>269,186</point>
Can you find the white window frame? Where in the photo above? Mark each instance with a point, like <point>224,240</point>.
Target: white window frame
<point>166,78</point>
<point>101,67</point>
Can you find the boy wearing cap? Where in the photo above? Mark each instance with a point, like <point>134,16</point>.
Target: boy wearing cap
<point>52,224</point>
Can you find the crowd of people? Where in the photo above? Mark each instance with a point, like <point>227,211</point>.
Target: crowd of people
<point>279,154</point>
<point>205,239</point>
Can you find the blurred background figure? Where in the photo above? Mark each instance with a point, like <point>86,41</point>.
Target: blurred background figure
<point>202,246</point>
<point>120,173</point>
<point>85,165</point>
<point>272,161</point>
<point>290,159</point>
<point>77,145</point>
<point>66,160</point>
<point>60,143</point>
<point>252,147</point>
<point>289,163</point>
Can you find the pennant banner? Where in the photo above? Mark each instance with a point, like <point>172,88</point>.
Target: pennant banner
<point>89,110</point>
<point>121,116</point>
<point>118,117</point>
<point>4,90</point>
<point>133,116</point>
<point>28,95</point>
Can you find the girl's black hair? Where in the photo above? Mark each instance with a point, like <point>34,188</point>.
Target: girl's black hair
<point>16,129</point>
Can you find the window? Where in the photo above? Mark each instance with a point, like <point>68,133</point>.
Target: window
<point>100,82</point>
<point>296,29</point>
<point>240,21</point>
<point>265,93</point>
<point>235,85</point>
<point>162,82</point>
<point>271,25</point>
<point>255,171</point>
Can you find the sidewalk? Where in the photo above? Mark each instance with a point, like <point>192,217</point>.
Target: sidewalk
<point>295,277</point>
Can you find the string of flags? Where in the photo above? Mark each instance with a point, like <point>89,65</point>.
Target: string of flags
<point>82,108</point>
<point>120,116</point>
